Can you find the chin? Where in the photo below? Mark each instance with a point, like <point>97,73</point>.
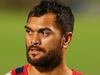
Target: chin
<point>35,57</point>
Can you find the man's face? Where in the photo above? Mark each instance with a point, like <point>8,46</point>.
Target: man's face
<point>43,41</point>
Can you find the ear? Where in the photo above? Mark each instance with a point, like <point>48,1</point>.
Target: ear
<point>67,39</point>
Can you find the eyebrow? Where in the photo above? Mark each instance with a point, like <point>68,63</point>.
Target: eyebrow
<point>28,28</point>
<point>41,29</point>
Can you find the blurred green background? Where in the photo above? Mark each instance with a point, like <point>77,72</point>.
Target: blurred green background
<point>83,53</point>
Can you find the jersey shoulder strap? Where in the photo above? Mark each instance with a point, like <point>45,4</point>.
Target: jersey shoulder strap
<point>20,70</point>
<point>76,73</point>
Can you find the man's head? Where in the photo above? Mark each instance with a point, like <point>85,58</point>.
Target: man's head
<point>64,16</point>
<point>48,32</point>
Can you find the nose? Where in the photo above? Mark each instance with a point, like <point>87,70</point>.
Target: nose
<point>35,40</point>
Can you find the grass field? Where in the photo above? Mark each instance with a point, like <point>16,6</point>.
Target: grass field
<point>83,53</point>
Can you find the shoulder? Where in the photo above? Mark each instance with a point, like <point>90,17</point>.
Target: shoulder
<point>9,73</point>
<point>17,70</point>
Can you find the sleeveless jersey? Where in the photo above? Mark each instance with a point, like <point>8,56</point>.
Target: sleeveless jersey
<point>23,71</point>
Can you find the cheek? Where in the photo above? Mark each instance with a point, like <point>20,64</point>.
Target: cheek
<point>50,42</point>
<point>28,40</point>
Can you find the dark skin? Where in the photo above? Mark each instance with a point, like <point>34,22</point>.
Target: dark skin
<point>45,32</point>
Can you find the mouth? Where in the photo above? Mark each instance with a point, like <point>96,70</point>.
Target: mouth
<point>35,52</point>
<point>36,49</point>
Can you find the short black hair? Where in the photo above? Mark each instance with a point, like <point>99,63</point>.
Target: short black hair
<point>64,16</point>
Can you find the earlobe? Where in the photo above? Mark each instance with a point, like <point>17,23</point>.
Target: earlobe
<point>67,39</point>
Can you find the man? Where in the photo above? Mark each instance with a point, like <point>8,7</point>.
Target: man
<point>49,31</point>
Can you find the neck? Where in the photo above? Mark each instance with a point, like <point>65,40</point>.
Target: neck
<point>62,69</point>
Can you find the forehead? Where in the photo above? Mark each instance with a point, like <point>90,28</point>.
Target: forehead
<point>47,20</point>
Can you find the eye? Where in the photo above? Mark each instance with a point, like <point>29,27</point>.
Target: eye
<point>29,32</point>
<point>45,33</point>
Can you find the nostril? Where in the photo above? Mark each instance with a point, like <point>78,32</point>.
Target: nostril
<point>35,43</point>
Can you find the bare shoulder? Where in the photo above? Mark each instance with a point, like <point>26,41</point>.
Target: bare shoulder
<point>9,73</point>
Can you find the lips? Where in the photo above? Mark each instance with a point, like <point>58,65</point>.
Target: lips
<point>35,49</point>
<point>33,52</point>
